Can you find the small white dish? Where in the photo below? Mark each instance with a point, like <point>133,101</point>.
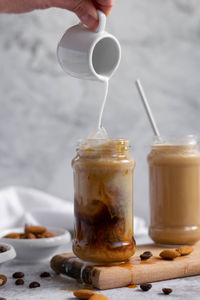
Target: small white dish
<point>7,255</point>
<point>32,250</point>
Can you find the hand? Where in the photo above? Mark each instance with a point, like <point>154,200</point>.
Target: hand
<point>84,9</point>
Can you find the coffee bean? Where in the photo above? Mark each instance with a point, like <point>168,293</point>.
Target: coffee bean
<point>2,298</point>
<point>34,284</point>
<point>146,255</point>
<point>2,249</point>
<point>19,281</point>
<point>167,291</point>
<point>18,275</point>
<point>146,286</point>
<point>45,274</point>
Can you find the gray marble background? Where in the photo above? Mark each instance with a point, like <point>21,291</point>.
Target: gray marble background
<point>43,112</point>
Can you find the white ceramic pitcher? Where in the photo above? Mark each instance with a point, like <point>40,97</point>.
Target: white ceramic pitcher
<point>86,54</point>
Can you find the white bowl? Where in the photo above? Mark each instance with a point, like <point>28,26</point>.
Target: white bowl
<point>7,255</point>
<point>32,250</point>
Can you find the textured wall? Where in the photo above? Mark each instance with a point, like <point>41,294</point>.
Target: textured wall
<point>43,112</point>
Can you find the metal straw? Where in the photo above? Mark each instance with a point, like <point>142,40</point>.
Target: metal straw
<point>147,108</point>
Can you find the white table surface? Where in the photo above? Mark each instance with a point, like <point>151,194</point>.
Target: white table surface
<point>60,287</point>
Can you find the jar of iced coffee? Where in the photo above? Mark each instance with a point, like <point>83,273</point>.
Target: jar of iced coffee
<point>103,201</point>
<point>174,172</point>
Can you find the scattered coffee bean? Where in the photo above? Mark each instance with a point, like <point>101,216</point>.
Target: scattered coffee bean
<point>34,284</point>
<point>18,275</point>
<point>3,279</point>
<point>45,274</point>
<point>2,249</point>
<point>167,291</point>
<point>146,286</point>
<point>19,281</point>
<point>146,255</point>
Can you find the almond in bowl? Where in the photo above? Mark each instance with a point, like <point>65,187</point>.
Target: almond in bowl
<point>31,232</point>
<point>35,243</point>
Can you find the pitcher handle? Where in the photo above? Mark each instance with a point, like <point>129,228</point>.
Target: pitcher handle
<point>102,21</point>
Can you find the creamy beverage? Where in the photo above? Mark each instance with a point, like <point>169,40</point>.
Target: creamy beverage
<point>174,171</point>
<point>103,201</point>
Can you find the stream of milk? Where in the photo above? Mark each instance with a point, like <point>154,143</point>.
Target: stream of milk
<point>101,133</point>
<point>106,83</point>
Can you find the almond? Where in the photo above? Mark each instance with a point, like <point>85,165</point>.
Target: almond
<point>2,249</point>
<point>40,236</point>
<point>3,279</point>
<point>98,297</point>
<point>12,235</point>
<point>31,232</point>
<point>185,250</point>
<point>26,227</point>
<point>35,229</point>
<point>48,234</point>
<point>169,254</point>
<point>30,236</point>
<point>22,236</point>
<point>83,294</point>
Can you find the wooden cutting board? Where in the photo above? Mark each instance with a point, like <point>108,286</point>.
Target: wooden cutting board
<point>134,271</point>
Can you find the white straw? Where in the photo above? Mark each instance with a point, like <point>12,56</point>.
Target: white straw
<point>147,108</point>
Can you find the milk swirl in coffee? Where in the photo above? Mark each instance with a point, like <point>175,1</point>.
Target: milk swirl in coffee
<point>103,201</point>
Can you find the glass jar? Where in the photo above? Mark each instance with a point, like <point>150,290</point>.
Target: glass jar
<point>103,201</point>
<point>174,178</point>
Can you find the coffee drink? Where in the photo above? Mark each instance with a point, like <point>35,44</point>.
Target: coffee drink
<point>174,172</point>
<point>103,201</point>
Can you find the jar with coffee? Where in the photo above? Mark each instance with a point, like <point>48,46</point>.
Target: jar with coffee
<point>103,201</point>
<point>174,179</point>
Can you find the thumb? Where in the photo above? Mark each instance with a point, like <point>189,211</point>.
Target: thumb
<point>84,9</point>
<point>87,13</point>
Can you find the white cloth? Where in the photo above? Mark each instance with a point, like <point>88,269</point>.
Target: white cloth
<point>20,205</point>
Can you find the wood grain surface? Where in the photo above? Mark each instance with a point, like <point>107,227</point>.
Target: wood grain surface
<point>133,271</point>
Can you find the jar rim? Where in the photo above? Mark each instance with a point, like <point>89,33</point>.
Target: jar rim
<point>103,145</point>
<point>176,140</point>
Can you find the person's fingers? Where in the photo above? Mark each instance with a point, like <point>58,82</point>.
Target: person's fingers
<point>84,9</point>
<point>104,5</point>
<point>17,6</point>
